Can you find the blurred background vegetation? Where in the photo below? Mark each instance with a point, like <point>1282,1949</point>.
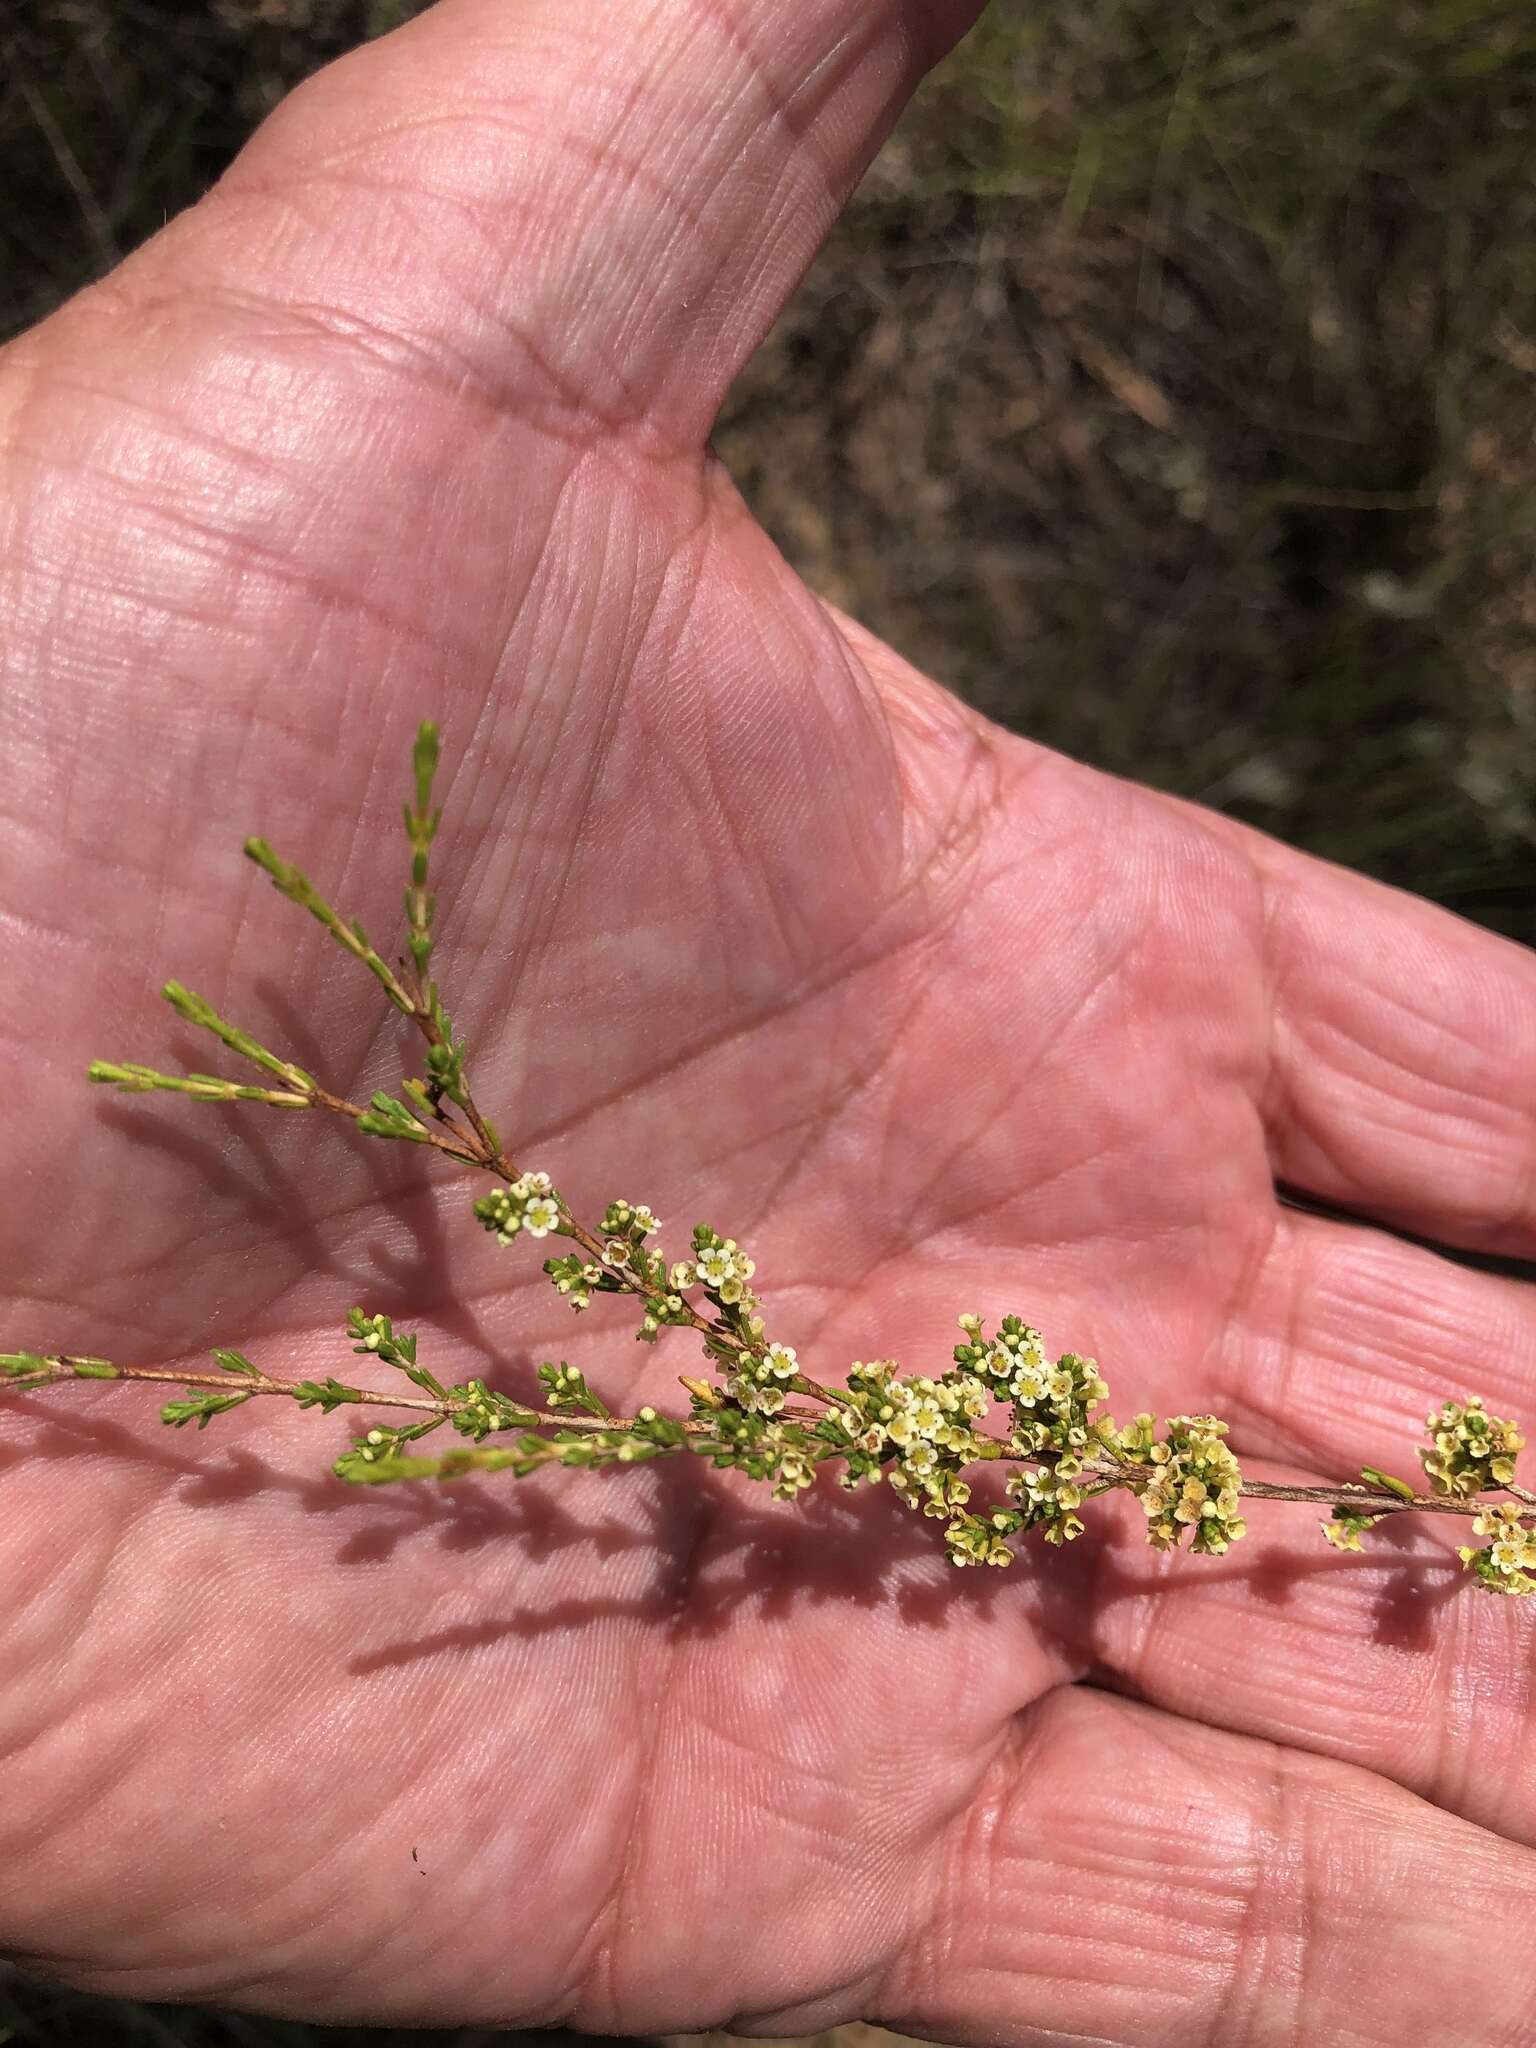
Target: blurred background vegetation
<point>1169,389</point>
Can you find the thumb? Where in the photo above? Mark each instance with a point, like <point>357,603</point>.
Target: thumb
<point>593,210</point>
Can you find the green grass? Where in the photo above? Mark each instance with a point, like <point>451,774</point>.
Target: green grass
<point>1167,389</point>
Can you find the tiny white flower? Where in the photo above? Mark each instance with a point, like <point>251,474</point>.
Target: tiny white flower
<point>781,1361</point>
<point>541,1216</point>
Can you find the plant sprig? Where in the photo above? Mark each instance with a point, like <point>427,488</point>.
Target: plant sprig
<point>1000,1401</point>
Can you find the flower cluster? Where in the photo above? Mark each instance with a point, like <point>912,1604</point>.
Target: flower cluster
<point>529,1204</point>
<point>723,1269</point>
<point>1507,1563</point>
<point>760,1378</point>
<point>926,1424</point>
<point>1049,1496</point>
<point>1058,1415</point>
<point>1470,1450</point>
<point>623,1264</point>
<point>982,1539</point>
<point>921,1434</point>
<point>1196,1484</point>
<point>1052,1404</point>
<point>626,1224</point>
<point>793,1462</point>
<point>1015,1358</point>
<point>577,1278</point>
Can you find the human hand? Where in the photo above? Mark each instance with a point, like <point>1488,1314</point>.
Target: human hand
<point>744,918</point>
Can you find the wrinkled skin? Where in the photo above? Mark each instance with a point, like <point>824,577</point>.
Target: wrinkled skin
<point>745,918</point>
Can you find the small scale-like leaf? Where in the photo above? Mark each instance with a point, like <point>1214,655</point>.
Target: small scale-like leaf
<point>1373,1477</point>
<point>19,1364</point>
<point>327,1395</point>
<point>236,1361</point>
<point>200,1408</point>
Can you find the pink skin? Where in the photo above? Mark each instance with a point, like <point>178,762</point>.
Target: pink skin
<point>744,918</point>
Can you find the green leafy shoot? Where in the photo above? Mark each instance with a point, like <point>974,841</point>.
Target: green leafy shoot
<point>134,1079</point>
<point>201,1408</point>
<point>293,883</point>
<point>236,1362</point>
<point>445,1054</point>
<point>999,1398</point>
<point>421,823</point>
<point>196,1011</point>
<point>327,1395</point>
<point>374,1336</point>
<point>387,1117</point>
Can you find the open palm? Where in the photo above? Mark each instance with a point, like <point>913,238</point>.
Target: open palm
<point>743,918</point>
